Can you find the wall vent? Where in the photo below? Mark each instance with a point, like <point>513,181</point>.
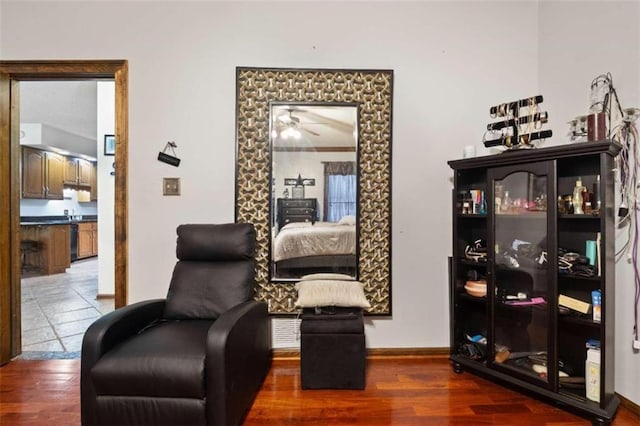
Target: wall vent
<point>285,333</point>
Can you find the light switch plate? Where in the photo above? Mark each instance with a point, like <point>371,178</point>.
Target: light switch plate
<point>170,186</point>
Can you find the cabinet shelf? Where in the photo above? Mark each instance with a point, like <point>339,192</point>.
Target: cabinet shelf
<point>471,216</point>
<point>575,320</point>
<point>528,268</point>
<point>465,261</point>
<point>465,360</point>
<point>533,307</point>
<point>536,175</point>
<point>524,371</point>
<point>522,215</point>
<point>577,393</point>
<point>578,216</point>
<point>463,295</point>
<point>579,278</point>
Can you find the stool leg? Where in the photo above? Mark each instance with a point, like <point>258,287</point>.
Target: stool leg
<point>29,250</point>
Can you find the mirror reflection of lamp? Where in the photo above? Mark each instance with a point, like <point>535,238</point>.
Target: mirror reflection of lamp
<point>290,132</point>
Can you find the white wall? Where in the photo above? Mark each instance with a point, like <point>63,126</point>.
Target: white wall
<point>106,194</point>
<point>577,42</point>
<point>70,203</point>
<point>451,62</point>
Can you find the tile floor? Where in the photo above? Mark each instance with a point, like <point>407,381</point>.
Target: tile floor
<point>58,308</point>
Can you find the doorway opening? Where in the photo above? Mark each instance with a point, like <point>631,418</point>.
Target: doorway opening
<point>11,74</point>
<point>66,236</point>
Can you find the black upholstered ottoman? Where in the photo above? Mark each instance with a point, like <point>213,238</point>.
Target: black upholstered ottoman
<point>332,352</point>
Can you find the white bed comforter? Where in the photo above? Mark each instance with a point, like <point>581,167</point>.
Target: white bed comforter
<point>300,239</point>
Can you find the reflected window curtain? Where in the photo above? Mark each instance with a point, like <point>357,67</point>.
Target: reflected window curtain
<point>340,189</point>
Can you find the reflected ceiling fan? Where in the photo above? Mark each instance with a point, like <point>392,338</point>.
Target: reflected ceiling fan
<point>288,126</point>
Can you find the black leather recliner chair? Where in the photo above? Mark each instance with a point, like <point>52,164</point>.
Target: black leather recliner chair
<point>197,357</point>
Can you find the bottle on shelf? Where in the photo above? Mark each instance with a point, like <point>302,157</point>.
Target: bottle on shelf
<point>506,202</point>
<point>596,194</point>
<point>499,193</point>
<point>577,197</point>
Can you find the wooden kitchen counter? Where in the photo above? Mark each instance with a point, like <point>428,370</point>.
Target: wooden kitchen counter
<point>54,254</point>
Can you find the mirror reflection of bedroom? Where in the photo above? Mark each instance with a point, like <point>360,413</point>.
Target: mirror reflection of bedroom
<point>314,189</point>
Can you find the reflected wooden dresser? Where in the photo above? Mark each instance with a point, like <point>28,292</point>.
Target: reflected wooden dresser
<point>296,210</point>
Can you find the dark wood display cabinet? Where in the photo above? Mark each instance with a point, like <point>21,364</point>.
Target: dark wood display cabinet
<point>532,273</point>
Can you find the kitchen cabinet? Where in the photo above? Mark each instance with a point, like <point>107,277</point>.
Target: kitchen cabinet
<point>87,239</point>
<point>94,182</point>
<point>531,304</point>
<point>84,172</point>
<point>70,171</point>
<point>54,253</point>
<point>77,172</point>
<point>42,174</point>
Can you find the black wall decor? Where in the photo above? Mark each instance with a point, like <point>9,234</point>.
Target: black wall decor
<point>304,181</point>
<point>169,159</point>
<point>518,120</point>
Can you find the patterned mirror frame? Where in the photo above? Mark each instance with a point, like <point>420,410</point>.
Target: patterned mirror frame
<point>372,90</point>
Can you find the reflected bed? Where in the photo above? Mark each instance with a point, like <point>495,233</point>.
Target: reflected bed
<point>303,248</point>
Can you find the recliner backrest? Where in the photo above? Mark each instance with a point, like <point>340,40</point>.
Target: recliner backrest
<point>215,270</point>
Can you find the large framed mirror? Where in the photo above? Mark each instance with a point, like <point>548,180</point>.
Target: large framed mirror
<point>314,176</point>
<point>314,157</point>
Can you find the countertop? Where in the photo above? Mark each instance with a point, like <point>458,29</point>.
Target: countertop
<point>54,220</point>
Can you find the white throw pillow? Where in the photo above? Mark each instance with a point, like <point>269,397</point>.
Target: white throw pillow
<point>331,293</point>
<point>347,220</point>
<point>327,276</point>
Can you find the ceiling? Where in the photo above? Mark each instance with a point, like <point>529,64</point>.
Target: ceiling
<point>68,108</point>
<point>322,127</point>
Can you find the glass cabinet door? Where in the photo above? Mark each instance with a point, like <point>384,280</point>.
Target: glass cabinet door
<point>521,274</point>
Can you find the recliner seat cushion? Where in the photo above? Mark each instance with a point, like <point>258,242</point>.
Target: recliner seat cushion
<point>165,360</point>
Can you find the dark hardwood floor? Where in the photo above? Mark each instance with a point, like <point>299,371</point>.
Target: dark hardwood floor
<point>400,391</point>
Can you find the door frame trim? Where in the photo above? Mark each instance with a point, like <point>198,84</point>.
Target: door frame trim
<point>11,72</point>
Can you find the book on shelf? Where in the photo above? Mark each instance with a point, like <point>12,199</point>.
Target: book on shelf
<point>575,304</point>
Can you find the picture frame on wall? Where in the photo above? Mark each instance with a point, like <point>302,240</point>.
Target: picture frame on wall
<point>297,191</point>
<point>109,145</point>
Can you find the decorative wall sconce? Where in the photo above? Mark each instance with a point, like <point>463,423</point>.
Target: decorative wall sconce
<point>169,159</point>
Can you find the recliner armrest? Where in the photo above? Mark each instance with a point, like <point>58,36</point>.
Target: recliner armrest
<point>238,359</point>
<point>104,334</point>
<point>116,326</point>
